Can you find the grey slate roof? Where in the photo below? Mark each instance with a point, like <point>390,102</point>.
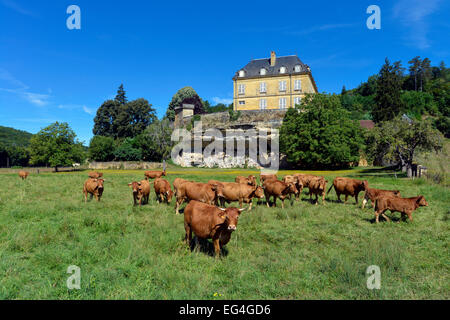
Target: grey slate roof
<point>252,69</point>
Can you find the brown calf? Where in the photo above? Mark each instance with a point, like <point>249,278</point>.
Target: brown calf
<point>141,191</point>
<point>303,181</point>
<point>23,174</point>
<point>94,187</point>
<point>348,187</point>
<point>317,186</point>
<point>278,189</point>
<point>405,206</point>
<point>163,190</point>
<point>210,222</point>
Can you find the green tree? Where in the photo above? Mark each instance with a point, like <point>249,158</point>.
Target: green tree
<point>414,69</point>
<point>186,95</point>
<point>105,119</point>
<point>101,148</point>
<point>417,103</point>
<point>133,117</point>
<point>128,151</point>
<point>121,97</point>
<point>155,143</point>
<point>319,133</point>
<point>388,90</point>
<point>56,146</point>
<point>398,140</point>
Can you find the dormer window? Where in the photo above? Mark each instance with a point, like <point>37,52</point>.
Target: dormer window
<point>262,72</point>
<point>241,73</point>
<point>283,70</point>
<point>297,68</point>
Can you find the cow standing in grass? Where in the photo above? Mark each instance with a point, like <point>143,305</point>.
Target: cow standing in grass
<point>94,187</point>
<point>278,189</point>
<point>163,190</point>
<point>347,187</point>
<point>210,222</point>
<point>317,186</point>
<point>23,174</point>
<point>242,192</point>
<point>154,174</point>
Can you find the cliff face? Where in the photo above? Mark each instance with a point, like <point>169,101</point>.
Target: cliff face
<point>233,144</point>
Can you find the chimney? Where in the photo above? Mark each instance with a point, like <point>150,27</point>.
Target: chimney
<point>273,58</point>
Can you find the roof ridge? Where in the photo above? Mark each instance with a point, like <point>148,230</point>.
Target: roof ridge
<point>290,55</point>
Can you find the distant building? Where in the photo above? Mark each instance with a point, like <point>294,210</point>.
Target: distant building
<point>272,83</point>
<point>367,124</point>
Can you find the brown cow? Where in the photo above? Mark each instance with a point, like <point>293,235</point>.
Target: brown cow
<point>244,193</point>
<point>95,174</point>
<point>303,181</point>
<point>405,206</point>
<point>210,222</point>
<point>317,186</point>
<point>23,174</point>
<point>293,179</point>
<point>163,190</point>
<point>278,189</point>
<point>266,177</point>
<point>154,174</point>
<point>373,194</point>
<point>141,191</point>
<point>94,187</point>
<point>204,192</point>
<point>348,187</point>
<point>250,180</point>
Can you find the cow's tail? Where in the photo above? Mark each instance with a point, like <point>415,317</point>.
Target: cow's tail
<point>329,189</point>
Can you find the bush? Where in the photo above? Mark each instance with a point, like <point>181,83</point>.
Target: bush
<point>127,151</point>
<point>101,148</point>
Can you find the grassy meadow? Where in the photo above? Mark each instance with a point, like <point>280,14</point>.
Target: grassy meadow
<point>301,252</point>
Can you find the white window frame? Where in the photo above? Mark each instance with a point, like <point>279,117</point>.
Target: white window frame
<point>283,70</point>
<point>297,68</point>
<point>241,88</point>
<point>297,100</point>
<point>262,87</point>
<point>262,104</point>
<point>298,85</point>
<point>282,85</point>
<point>241,73</point>
<point>241,102</point>
<point>282,103</point>
<point>263,71</point>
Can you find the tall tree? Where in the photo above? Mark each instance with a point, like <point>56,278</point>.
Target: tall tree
<point>56,146</point>
<point>424,72</point>
<point>133,117</point>
<point>105,118</point>
<point>120,96</point>
<point>319,133</point>
<point>414,68</point>
<point>388,90</point>
<point>185,95</point>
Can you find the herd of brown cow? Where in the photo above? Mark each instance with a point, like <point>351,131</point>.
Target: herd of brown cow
<point>207,220</point>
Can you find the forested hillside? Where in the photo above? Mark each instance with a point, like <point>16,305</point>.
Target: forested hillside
<point>14,137</point>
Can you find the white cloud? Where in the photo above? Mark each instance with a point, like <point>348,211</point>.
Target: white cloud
<point>88,110</point>
<point>218,100</point>
<point>413,15</point>
<point>22,90</point>
<point>322,28</point>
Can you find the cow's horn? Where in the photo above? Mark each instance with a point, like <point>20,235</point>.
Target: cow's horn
<point>222,209</point>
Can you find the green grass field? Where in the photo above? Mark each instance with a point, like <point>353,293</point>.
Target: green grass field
<point>302,252</point>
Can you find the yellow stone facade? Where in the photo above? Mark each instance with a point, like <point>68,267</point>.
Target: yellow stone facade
<point>249,91</point>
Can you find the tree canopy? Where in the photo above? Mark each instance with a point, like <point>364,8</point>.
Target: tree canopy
<point>56,146</point>
<point>320,133</point>
<point>186,95</point>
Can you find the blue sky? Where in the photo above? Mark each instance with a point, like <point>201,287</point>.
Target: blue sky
<point>50,73</point>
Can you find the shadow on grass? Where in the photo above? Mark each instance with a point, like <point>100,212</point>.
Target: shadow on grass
<point>206,247</point>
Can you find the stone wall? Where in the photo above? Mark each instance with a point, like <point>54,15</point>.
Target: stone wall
<point>127,165</point>
<point>247,120</point>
